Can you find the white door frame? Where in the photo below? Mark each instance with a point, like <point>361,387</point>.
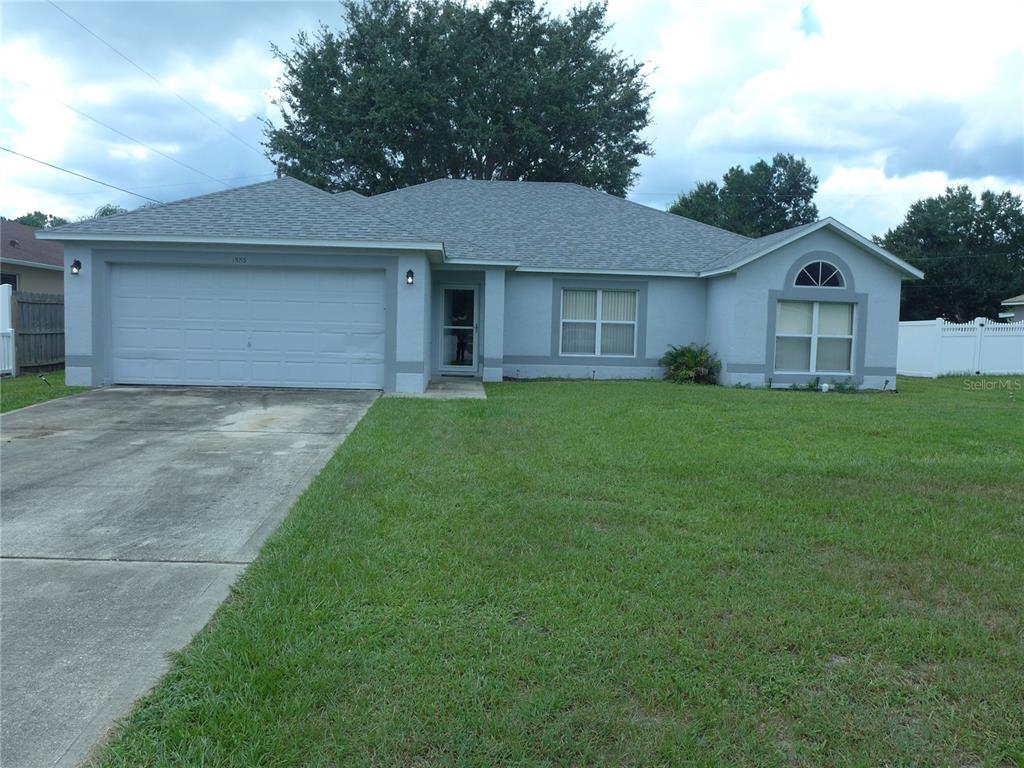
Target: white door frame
<point>465,370</point>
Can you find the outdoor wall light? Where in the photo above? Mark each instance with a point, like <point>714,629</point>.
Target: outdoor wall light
<point>409,276</point>
<point>76,267</point>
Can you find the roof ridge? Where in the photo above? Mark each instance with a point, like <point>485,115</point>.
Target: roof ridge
<point>379,195</point>
<point>722,260</point>
<point>169,203</point>
<point>373,213</point>
<point>658,210</point>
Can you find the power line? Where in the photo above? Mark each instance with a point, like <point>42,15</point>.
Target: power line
<point>266,176</point>
<point>80,175</point>
<point>157,80</point>
<point>132,138</point>
<point>774,195</point>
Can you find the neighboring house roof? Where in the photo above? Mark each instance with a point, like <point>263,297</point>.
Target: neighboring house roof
<point>539,226</point>
<point>19,245</point>
<point>1014,301</point>
<point>281,211</point>
<point>555,226</point>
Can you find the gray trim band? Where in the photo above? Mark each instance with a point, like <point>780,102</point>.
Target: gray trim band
<point>493,362</point>
<point>81,361</point>
<point>746,367</point>
<point>582,362</point>
<point>807,378</point>
<point>409,366</point>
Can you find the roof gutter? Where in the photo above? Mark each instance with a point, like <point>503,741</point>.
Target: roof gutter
<point>34,264</point>
<point>403,245</point>
<point>620,272</point>
<point>482,263</point>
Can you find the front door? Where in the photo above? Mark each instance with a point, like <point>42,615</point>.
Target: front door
<point>458,330</point>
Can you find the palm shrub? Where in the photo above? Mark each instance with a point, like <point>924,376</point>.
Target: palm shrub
<point>692,363</point>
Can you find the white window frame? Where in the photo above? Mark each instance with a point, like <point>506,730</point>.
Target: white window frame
<point>839,272</point>
<point>598,321</point>
<point>814,336</point>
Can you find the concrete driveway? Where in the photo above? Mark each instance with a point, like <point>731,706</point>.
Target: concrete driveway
<point>126,514</point>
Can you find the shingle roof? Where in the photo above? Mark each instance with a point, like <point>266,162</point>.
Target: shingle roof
<point>280,209</point>
<point>553,225</point>
<point>753,247</point>
<point>18,242</point>
<point>539,225</point>
<point>1014,300</point>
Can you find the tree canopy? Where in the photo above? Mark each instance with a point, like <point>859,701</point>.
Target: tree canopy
<point>107,209</point>
<point>758,201</point>
<point>40,220</point>
<point>971,251</point>
<point>411,90</point>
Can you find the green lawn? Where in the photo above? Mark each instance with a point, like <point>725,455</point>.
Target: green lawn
<point>629,573</point>
<point>30,389</point>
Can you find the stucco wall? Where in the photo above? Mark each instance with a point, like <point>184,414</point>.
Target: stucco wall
<point>36,280</point>
<point>670,311</point>
<point>874,283</point>
<point>720,319</point>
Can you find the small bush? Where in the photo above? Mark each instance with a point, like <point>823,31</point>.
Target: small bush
<point>693,363</point>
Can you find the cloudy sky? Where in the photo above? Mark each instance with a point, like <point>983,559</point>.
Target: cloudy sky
<point>889,101</point>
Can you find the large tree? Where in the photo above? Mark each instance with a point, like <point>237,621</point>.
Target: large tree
<point>758,201</point>
<point>412,90</point>
<point>971,251</point>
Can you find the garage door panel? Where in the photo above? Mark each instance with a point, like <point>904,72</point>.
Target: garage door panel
<point>255,327</point>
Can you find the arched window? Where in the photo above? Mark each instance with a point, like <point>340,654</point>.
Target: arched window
<point>820,274</point>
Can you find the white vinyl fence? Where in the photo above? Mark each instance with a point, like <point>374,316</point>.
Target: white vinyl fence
<point>6,331</point>
<point>935,348</point>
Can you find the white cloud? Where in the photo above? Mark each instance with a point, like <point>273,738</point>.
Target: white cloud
<point>871,202</point>
<point>235,84</point>
<point>833,89</point>
<point>32,88</point>
<point>889,101</point>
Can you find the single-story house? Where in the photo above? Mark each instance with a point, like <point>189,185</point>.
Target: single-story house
<point>1014,312</point>
<point>282,284</point>
<point>28,263</point>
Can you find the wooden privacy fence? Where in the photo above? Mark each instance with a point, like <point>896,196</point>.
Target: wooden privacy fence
<point>38,321</point>
<point>936,348</point>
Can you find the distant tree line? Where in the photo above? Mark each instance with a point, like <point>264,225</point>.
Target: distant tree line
<point>41,220</point>
<point>971,248</point>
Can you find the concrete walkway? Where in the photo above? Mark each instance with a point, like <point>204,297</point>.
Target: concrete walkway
<point>126,514</point>
<point>449,388</point>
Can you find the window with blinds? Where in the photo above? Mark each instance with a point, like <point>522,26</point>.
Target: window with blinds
<point>598,322</point>
<point>813,337</point>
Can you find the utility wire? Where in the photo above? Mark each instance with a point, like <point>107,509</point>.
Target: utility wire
<point>132,138</point>
<point>157,80</point>
<point>80,175</point>
<point>147,187</point>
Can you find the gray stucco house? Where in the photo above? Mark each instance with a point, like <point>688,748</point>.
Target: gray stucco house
<point>282,284</point>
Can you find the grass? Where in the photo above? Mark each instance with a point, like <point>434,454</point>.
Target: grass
<point>29,389</point>
<point>629,573</point>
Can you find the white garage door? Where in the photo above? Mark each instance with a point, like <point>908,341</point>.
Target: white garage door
<point>244,326</point>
